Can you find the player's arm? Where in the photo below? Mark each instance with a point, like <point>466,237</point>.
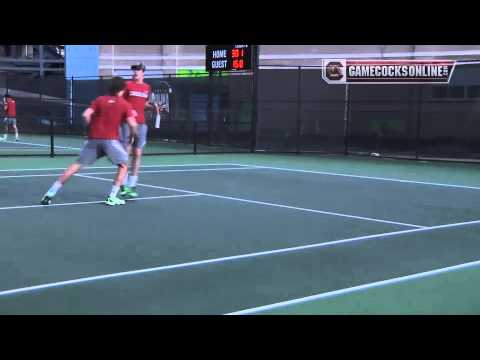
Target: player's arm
<point>87,115</point>
<point>130,118</point>
<point>92,109</point>
<point>133,126</point>
<point>152,106</point>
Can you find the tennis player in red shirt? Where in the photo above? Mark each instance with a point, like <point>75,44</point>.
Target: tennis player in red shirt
<point>10,107</point>
<point>103,117</point>
<point>137,94</point>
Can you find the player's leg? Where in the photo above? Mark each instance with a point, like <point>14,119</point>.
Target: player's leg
<point>121,173</point>
<point>6,129</point>
<point>137,152</point>
<point>128,148</point>
<point>113,198</point>
<point>57,185</point>
<point>125,140</point>
<point>133,178</point>
<point>14,125</point>
<point>117,154</point>
<point>88,155</point>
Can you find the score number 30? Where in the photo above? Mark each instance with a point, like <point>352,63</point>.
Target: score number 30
<point>238,63</point>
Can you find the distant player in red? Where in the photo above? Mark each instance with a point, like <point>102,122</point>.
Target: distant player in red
<point>137,94</point>
<point>10,107</point>
<point>104,117</point>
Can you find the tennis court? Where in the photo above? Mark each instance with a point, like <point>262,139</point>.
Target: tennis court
<point>243,234</point>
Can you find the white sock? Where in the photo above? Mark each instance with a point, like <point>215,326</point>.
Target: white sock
<point>114,191</point>
<point>125,180</point>
<point>132,181</point>
<point>54,189</point>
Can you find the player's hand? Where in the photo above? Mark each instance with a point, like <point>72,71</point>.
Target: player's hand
<point>131,139</point>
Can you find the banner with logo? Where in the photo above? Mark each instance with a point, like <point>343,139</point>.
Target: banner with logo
<point>342,71</point>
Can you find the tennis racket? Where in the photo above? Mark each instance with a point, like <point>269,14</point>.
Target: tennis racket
<point>158,99</point>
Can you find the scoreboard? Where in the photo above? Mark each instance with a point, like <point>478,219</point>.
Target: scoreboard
<point>229,58</point>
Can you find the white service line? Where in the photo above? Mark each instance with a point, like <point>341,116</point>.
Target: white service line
<point>114,167</point>
<point>364,177</point>
<point>269,204</point>
<point>113,172</point>
<point>41,145</point>
<point>228,258</point>
<point>2,148</point>
<point>31,176</point>
<point>355,289</point>
<point>185,170</point>
<point>92,202</point>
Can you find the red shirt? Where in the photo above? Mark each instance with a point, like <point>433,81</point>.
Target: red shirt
<point>109,112</point>
<point>11,109</point>
<point>137,96</point>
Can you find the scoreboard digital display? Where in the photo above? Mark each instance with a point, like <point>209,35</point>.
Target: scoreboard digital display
<point>229,58</point>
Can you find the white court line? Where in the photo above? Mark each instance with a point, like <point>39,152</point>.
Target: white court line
<point>92,202</point>
<point>365,177</point>
<point>42,145</point>
<point>21,148</point>
<point>227,258</point>
<point>113,172</point>
<point>355,288</point>
<point>46,150</point>
<point>273,168</point>
<point>184,170</point>
<point>269,204</point>
<point>114,167</point>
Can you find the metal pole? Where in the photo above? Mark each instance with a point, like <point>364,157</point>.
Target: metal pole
<point>299,105</point>
<point>41,61</point>
<point>40,87</point>
<point>419,122</point>
<point>71,100</point>
<point>195,137</point>
<point>346,118</point>
<point>255,60</point>
<point>52,139</point>
<point>209,107</point>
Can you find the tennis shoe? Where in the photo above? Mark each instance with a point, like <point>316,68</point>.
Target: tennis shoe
<point>46,200</point>
<point>128,192</point>
<point>112,201</point>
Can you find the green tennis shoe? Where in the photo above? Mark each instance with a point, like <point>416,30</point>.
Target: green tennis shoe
<point>112,201</point>
<point>128,192</point>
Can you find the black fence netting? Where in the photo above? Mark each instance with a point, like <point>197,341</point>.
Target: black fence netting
<point>296,111</point>
<point>322,114</point>
<point>382,119</point>
<point>277,110</point>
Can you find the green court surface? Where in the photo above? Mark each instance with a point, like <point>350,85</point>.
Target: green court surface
<point>243,234</point>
